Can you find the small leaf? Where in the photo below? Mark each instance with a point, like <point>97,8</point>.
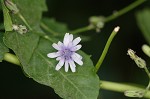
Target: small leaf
<point>7,18</point>
<point>32,52</point>
<point>143,20</point>
<point>3,48</point>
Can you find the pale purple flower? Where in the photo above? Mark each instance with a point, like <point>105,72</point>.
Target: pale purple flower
<point>66,54</point>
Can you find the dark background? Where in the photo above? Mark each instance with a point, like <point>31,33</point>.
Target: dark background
<point>117,66</point>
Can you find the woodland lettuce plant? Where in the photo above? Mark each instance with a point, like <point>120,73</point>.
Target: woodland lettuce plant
<point>33,41</point>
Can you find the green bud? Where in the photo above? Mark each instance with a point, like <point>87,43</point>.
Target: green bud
<point>97,22</point>
<point>20,28</point>
<point>146,49</point>
<point>11,6</point>
<point>139,61</point>
<point>132,54</point>
<point>133,93</point>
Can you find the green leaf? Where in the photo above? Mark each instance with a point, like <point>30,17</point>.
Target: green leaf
<point>32,52</point>
<point>143,20</point>
<point>3,48</point>
<point>51,26</point>
<point>31,10</point>
<point>7,18</point>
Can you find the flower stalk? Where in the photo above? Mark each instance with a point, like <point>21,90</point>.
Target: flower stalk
<point>102,57</point>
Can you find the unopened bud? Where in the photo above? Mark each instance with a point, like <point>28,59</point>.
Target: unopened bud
<point>132,54</point>
<point>20,28</point>
<point>97,22</point>
<point>11,6</point>
<point>116,29</point>
<point>133,93</point>
<point>146,49</point>
<point>139,61</point>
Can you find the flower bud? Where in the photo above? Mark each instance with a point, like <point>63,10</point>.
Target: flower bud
<point>11,6</point>
<point>139,61</point>
<point>133,93</point>
<point>146,49</point>
<point>20,28</point>
<point>97,22</point>
<point>132,54</point>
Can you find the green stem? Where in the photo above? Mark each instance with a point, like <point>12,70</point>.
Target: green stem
<point>44,26</point>
<point>105,49</point>
<point>106,85</point>
<point>148,74</point>
<point>112,17</point>
<point>86,28</point>
<point>11,58</point>
<point>124,10</point>
<point>23,19</point>
<point>120,87</point>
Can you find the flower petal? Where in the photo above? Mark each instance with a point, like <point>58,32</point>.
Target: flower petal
<point>75,48</point>
<point>72,65</point>
<point>53,55</point>
<point>77,55</point>
<point>77,60</point>
<point>70,38</point>
<point>60,64</point>
<point>60,44</point>
<point>66,39</point>
<point>76,41</point>
<point>58,58</point>
<point>66,66</point>
<point>56,46</point>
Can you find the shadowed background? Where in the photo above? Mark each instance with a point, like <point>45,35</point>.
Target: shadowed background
<point>117,66</point>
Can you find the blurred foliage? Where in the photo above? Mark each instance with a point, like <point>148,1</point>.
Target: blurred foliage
<point>143,20</point>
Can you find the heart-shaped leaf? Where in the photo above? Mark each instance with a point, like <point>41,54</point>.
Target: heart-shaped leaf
<point>32,52</point>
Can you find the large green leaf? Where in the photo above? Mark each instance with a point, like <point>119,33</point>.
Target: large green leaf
<point>3,48</point>
<point>32,52</point>
<point>143,20</point>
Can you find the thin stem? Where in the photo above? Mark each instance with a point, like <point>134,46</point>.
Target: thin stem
<point>114,32</point>
<point>148,74</point>
<point>11,58</point>
<point>113,16</point>
<point>106,85</point>
<point>23,19</point>
<point>124,10</point>
<point>48,29</point>
<point>120,87</point>
<point>86,28</point>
